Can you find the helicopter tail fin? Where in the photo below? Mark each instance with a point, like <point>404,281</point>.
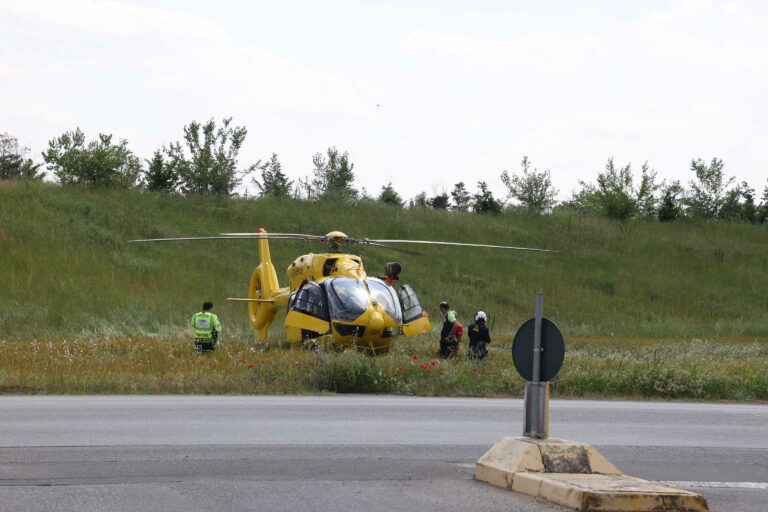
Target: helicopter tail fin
<point>264,287</point>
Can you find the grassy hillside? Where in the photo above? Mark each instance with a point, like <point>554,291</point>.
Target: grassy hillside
<point>67,270</point>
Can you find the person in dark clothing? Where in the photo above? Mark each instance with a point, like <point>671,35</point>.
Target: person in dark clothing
<point>479,336</point>
<point>450,332</point>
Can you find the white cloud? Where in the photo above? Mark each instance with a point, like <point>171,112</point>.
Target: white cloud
<point>539,52</point>
<point>684,80</point>
<point>109,19</point>
<point>141,73</point>
<point>677,83</point>
<point>155,51</point>
<point>712,35</point>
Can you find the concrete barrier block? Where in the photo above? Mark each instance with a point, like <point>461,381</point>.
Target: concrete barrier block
<point>576,475</point>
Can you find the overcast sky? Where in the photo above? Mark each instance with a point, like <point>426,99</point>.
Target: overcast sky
<point>421,93</point>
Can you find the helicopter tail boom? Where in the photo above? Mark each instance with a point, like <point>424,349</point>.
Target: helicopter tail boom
<point>265,296</point>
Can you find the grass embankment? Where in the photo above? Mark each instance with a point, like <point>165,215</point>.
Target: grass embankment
<point>68,274</point>
<point>67,270</point>
<point>726,369</point>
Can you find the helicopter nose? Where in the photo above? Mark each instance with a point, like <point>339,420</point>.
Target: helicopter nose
<point>375,323</point>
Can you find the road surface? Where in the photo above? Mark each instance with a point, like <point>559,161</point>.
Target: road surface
<point>371,453</point>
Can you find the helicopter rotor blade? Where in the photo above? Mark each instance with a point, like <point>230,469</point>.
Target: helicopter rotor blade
<point>228,236</point>
<point>299,236</point>
<point>391,248</point>
<point>461,244</point>
<point>321,239</point>
<point>178,239</point>
<point>237,299</point>
<point>340,241</point>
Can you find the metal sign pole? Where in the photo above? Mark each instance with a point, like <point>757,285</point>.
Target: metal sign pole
<point>537,338</point>
<point>536,421</point>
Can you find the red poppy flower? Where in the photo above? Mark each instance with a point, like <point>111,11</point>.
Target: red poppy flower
<point>423,366</point>
<point>241,361</point>
<point>434,362</point>
<point>251,365</point>
<point>441,373</point>
<point>415,358</point>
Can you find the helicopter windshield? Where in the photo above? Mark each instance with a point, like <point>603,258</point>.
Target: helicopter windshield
<point>310,299</point>
<point>348,298</point>
<point>386,298</point>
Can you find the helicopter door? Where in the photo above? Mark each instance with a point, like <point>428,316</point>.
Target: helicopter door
<point>415,319</point>
<point>309,310</point>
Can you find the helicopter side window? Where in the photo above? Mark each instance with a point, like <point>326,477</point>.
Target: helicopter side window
<point>311,299</point>
<point>412,308</point>
<point>328,266</point>
<point>386,297</point>
<point>348,298</point>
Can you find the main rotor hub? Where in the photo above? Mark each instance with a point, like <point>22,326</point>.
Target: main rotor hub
<point>336,239</point>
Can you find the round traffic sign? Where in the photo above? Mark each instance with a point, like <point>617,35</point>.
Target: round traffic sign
<point>552,350</point>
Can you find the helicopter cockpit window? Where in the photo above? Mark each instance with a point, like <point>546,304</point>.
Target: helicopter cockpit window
<point>348,298</point>
<point>328,266</point>
<point>412,308</point>
<point>311,299</point>
<point>386,298</point>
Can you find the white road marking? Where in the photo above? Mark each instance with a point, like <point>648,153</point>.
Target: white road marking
<point>718,485</point>
<point>687,483</point>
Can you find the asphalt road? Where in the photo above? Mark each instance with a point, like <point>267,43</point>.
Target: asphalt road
<point>347,453</point>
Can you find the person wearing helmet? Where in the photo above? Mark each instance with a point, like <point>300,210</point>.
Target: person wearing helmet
<point>450,334</point>
<point>479,336</point>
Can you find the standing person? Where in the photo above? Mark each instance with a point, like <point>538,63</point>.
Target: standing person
<point>450,332</point>
<point>207,328</point>
<point>479,336</point>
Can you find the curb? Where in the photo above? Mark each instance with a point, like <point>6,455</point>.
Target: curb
<point>578,476</point>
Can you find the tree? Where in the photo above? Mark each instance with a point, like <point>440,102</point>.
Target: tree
<point>14,162</point>
<point>304,189</point>
<point>209,164</point>
<point>334,176</point>
<point>273,182</point>
<point>730,208</point>
<point>533,189</point>
<point>419,200</point>
<point>439,201</point>
<point>669,208</point>
<point>98,163</point>
<point>161,176</point>
<point>748,207</point>
<point>30,171</point>
<point>461,197</point>
<point>390,196</point>
<point>615,195</point>
<point>739,204</point>
<point>762,212</point>
<point>483,200</point>
<point>10,156</point>
<point>709,190</point>
<point>646,198</point>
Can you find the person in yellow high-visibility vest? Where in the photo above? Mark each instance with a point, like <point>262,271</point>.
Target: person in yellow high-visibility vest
<point>207,328</point>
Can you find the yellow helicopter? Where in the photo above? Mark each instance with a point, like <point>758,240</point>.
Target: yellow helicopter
<point>329,296</point>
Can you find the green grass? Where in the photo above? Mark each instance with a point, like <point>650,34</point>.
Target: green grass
<point>68,272</point>
<point>715,369</point>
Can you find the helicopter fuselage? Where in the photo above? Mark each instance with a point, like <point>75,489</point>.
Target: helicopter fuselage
<point>330,297</point>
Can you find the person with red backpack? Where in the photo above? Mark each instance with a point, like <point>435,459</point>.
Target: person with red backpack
<point>451,332</point>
